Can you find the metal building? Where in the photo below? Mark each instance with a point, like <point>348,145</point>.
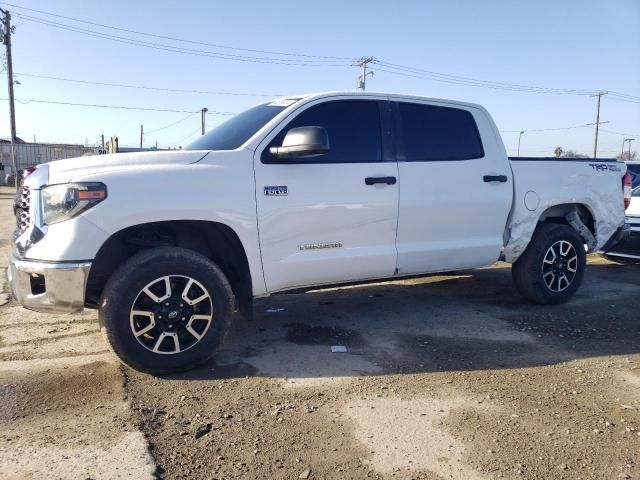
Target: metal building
<point>35,153</point>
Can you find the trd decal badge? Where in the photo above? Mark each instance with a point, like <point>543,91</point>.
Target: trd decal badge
<point>603,167</point>
<point>275,191</point>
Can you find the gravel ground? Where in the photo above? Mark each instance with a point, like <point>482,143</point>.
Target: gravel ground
<point>445,377</point>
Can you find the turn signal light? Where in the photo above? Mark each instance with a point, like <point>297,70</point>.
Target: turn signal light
<point>626,189</point>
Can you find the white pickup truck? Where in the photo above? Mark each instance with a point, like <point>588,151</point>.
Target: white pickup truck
<point>302,191</point>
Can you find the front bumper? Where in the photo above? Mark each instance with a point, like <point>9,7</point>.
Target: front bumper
<point>49,287</point>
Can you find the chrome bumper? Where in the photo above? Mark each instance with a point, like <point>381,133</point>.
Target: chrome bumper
<point>48,287</point>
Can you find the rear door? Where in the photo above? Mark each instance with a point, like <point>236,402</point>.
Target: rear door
<point>456,189</point>
<point>320,220</point>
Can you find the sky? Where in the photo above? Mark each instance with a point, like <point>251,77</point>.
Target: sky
<point>576,45</point>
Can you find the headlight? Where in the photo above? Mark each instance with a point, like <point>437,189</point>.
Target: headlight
<point>65,201</point>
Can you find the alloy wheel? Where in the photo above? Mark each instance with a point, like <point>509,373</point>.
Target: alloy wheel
<point>171,314</point>
<point>560,265</point>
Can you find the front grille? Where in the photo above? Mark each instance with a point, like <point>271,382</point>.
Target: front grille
<point>23,204</point>
<point>25,199</point>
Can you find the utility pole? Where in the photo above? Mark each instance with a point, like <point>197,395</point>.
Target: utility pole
<point>102,141</point>
<point>627,140</point>
<point>362,63</point>
<point>598,122</point>
<point>141,135</point>
<point>6,38</point>
<point>202,116</point>
<point>519,137</point>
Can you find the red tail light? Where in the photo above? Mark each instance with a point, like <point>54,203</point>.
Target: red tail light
<point>28,171</point>
<point>626,189</point>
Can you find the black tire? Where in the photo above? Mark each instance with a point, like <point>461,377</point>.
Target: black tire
<point>529,270</point>
<point>125,288</point>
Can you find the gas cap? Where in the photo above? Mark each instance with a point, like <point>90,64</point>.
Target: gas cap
<point>531,201</point>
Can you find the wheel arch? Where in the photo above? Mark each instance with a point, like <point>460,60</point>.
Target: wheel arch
<point>215,240</point>
<point>521,233</point>
<point>558,214</point>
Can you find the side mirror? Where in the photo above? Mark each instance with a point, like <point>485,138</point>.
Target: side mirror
<point>302,142</point>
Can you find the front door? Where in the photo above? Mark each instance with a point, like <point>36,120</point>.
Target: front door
<point>329,218</point>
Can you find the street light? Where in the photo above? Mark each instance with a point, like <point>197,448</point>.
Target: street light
<point>520,136</point>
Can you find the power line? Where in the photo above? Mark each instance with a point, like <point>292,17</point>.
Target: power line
<point>620,133</point>
<point>314,60</point>
<point>543,129</point>
<point>620,99</point>
<point>171,124</point>
<point>185,50</point>
<point>143,87</point>
<point>184,138</point>
<point>624,95</point>
<point>193,42</point>
<point>420,71</point>
<point>480,83</point>
<point>413,72</point>
<point>119,107</point>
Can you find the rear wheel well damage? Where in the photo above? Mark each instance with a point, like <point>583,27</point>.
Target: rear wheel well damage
<point>575,215</point>
<point>214,240</point>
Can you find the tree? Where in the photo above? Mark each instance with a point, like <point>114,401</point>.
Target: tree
<point>624,156</point>
<point>561,153</point>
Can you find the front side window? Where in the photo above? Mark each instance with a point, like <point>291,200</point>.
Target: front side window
<point>353,128</point>
<point>439,133</point>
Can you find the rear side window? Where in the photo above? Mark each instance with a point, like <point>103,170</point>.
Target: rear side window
<point>439,133</point>
<point>353,127</point>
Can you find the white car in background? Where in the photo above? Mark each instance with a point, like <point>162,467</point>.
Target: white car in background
<point>631,247</point>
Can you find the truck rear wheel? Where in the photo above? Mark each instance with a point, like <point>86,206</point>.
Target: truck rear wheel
<point>165,310</point>
<point>552,267</point>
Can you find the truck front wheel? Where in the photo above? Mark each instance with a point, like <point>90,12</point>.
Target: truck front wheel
<point>165,310</point>
<point>552,267</point>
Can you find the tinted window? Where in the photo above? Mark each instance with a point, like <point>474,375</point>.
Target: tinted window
<point>239,128</point>
<point>353,127</point>
<point>634,171</point>
<point>439,133</point>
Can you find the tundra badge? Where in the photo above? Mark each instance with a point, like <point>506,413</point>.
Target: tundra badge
<point>275,191</point>
<point>320,246</point>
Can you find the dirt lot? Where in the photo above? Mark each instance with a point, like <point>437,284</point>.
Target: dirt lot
<point>445,377</point>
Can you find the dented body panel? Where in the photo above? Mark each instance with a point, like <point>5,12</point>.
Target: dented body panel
<point>541,185</point>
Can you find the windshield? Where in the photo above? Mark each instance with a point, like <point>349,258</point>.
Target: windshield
<point>239,128</point>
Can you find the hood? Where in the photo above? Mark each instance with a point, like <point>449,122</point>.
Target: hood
<point>63,171</point>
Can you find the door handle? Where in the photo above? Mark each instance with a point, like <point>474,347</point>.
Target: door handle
<point>495,178</point>
<point>374,180</point>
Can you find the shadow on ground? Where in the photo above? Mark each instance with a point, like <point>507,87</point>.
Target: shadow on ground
<point>464,321</point>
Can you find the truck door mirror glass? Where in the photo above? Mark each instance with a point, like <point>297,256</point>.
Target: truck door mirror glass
<point>302,142</point>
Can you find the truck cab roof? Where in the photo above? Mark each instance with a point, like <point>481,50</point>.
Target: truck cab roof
<point>395,96</point>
